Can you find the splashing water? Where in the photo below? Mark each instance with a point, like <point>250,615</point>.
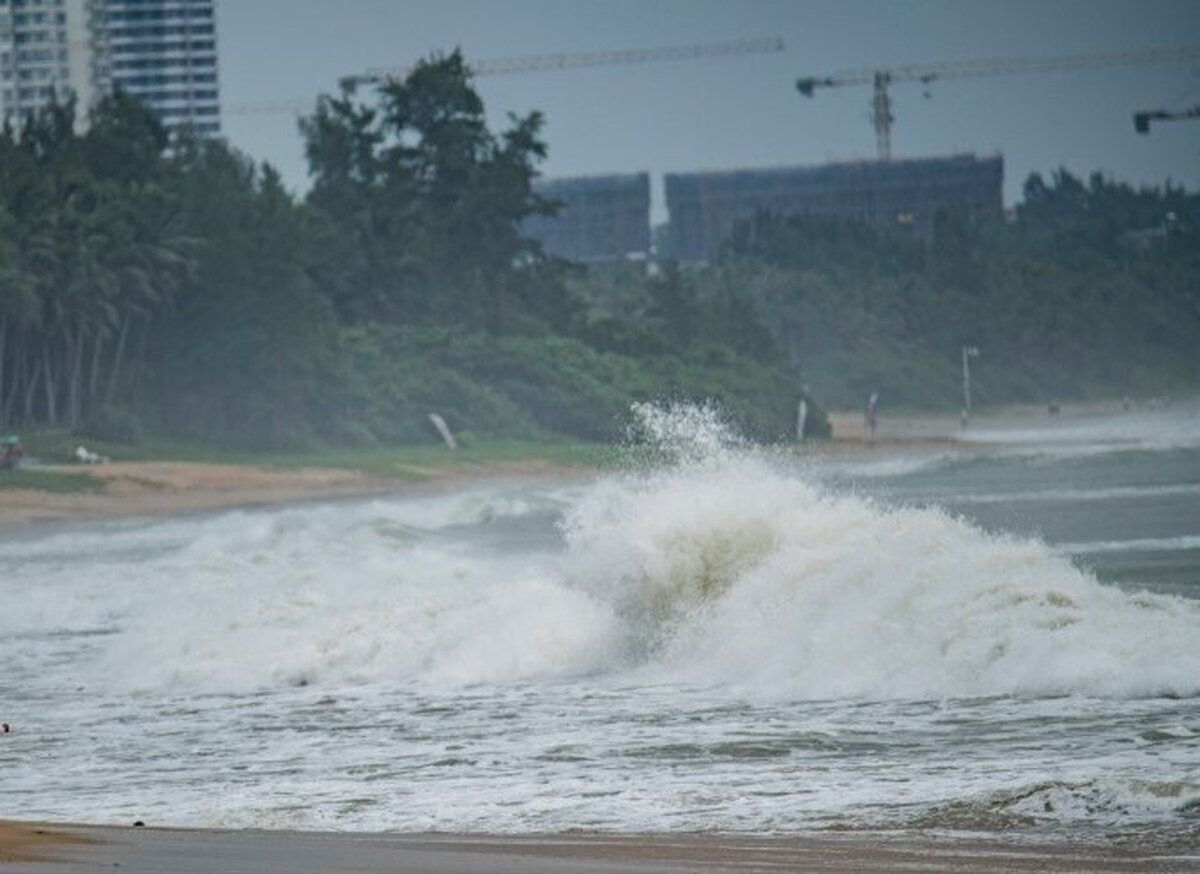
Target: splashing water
<point>680,432</point>
<point>713,642</point>
<point>731,569</point>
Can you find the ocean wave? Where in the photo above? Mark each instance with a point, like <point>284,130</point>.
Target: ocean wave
<point>1076,495</point>
<point>1117,801</point>
<point>742,575</point>
<point>1146,544</point>
<point>722,567</point>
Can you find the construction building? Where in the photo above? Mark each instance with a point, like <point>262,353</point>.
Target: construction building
<point>163,51</point>
<point>599,217</point>
<point>903,195</point>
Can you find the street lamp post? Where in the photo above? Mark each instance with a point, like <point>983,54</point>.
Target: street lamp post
<point>968,352</point>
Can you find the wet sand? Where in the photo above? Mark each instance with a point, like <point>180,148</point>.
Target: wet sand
<point>132,489</point>
<point>155,488</point>
<point>53,849</point>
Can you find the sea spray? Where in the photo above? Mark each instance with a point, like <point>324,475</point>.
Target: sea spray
<point>723,566</point>
<point>711,643</point>
<point>728,567</point>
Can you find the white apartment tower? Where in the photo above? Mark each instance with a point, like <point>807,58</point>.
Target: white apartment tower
<point>162,51</point>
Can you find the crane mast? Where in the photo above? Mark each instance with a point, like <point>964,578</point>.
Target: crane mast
<point>882,78</point>
<point>881,116</point>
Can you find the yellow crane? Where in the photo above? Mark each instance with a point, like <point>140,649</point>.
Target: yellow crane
<point>881,78</point>
<point>539,63</point>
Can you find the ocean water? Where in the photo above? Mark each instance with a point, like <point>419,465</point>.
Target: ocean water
<point>1003,634</point>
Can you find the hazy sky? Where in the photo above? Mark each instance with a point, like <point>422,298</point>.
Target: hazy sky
<point>744,111</point>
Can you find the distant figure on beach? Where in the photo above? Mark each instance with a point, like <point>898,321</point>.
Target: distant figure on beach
<point>11,453</point>
<point>871,414</point>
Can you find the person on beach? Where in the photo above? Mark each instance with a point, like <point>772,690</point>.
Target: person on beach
<point>12,452</point>
<point>871,413</point>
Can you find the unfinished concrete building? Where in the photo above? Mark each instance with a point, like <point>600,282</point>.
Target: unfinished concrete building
<point>903,195</point>
<point>601,217</point>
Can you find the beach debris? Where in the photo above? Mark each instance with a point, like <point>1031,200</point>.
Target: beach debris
<point>443,430</point>
<point>85,456</point>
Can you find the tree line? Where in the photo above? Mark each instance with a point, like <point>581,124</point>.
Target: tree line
<point>176,288</point>
<point>1091,289</point>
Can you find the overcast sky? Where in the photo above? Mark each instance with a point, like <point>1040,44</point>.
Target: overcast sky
<point>744,111</point>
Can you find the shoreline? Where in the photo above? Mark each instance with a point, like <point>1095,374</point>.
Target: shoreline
<point>33,847</point>
<point>132,489</point>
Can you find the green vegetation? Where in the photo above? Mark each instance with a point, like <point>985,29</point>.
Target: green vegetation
<point>150,294</point>
<point>50,481</point>
<point>182,301</point>
<point>414,461</point>
<point>1093,291</point>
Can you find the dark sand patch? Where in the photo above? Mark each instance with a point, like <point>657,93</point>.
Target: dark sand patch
<point>193,851</point>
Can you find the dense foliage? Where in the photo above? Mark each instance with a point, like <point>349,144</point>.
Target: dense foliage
<point>1093,289</point>
<point>178,289</point>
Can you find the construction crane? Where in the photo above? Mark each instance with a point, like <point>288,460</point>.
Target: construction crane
<point>1141,120</point>
<point>882,78</point>
<point>539,63</point>
<point>577,60</point>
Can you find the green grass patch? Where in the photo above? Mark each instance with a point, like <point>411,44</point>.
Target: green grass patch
<point>416,462</point>
<point>50,481</point>
<point>399,462</point>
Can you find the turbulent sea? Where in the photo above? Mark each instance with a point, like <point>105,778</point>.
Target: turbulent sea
<point>1002,633</point>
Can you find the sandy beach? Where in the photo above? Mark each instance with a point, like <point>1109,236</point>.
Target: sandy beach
<point>153,488</point>
<point>137,488</point>
<point>51,849</point>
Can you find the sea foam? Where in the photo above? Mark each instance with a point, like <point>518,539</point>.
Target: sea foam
<point>720,566</point>
<point>728,567</point>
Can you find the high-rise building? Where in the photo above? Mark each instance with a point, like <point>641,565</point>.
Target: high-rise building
<point>599,218</point>
<point>45,50</point>
<point>163,51</point>
<point>903,195</point>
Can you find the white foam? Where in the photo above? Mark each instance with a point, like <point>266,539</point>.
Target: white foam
<point>1152,430</point>
<point>1079,495</point>
<point>750,576</point>
<point>1145,544</point>
<point>719,569</point>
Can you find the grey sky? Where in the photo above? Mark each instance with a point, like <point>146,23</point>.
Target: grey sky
<point>744,111</point>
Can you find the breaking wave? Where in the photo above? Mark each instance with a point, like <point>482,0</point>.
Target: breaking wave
<point>731,569</point>
<point>1109,802</point>
<point>719,568</point>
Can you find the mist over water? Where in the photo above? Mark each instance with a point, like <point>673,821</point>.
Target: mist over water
<point>726,639</point>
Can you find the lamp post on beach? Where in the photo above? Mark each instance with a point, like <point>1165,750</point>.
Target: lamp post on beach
<point>968,352</point>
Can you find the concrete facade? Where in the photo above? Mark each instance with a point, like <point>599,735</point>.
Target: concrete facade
<point>903,195</point>
<point>45,51</point>
<point>163,51</point>
<point>601,217</point>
